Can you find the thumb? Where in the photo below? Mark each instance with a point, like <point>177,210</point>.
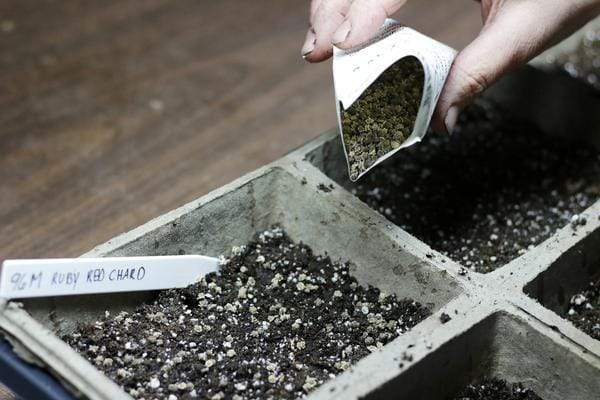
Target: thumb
<point>514,33</point>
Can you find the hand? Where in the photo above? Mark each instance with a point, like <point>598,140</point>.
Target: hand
<point>514,31</point>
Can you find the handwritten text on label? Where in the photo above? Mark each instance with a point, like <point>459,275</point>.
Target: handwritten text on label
<point>55,277</point>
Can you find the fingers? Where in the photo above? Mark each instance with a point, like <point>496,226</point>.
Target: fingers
<point>473,70</point>
<point>309,44</point>
<point>512,35</point>
<point>364,19</point>
<point>344,22</point>
<point>327,17</point>
<point>314,6</point>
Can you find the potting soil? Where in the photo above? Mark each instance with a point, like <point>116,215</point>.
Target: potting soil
<point>496,389</point>
<point>584,310</point>
<point>276,323</point>
<point>492,190</point>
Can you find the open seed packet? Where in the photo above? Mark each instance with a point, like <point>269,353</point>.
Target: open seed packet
<point>386,91</point>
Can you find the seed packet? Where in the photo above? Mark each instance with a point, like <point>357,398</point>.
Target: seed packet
<point>386,91</point>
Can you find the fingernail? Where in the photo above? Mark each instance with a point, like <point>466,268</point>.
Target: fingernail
<point>309,43</point>
<point>342,32</point>
<point>451,118</point>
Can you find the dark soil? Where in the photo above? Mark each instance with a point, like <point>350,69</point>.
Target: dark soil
<point>276,323</point>
<point>489,192</point>
<point>496,389</point>
<point>325,188</point>
<point>383,117</point>
<point>445,318</point>
<point>584,310</point>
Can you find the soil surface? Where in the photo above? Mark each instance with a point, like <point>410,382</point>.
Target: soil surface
<point>484,196</point>
<point>276,323</point>
<point>496,389</point>
<point>384,115</point>
<point>584,310</point>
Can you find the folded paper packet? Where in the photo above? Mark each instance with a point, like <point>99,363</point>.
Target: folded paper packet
<point>355,70</point>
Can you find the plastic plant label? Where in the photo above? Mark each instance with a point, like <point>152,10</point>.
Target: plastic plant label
<point>356,69</point>
<point>73,276</point>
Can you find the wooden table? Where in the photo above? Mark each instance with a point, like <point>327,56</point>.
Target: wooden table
<point>114,112</point>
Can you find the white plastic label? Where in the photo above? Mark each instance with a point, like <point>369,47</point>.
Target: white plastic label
<point>70,276</point>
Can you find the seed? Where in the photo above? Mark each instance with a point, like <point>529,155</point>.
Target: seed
<point>383,116</point>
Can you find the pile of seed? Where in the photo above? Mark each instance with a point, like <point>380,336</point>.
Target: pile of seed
<point>276,323</point>
<point>384,115</point>
<point>492,190</point>
<point>584,310</point>
<point>496,389</point>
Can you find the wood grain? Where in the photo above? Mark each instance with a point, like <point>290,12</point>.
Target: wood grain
<point>114,112</point>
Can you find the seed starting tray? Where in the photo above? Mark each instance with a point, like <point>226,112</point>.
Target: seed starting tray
<point>504,324</point>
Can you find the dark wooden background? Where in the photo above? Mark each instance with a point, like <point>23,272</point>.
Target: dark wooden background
<point>113,112</point>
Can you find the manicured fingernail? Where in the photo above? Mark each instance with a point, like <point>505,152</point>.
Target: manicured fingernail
<point>342,32</point>
<point>451,118</point>
<point>309,43</point>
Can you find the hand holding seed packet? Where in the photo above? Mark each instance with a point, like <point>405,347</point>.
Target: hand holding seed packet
<point>514,32</point>
<point>386,93</point>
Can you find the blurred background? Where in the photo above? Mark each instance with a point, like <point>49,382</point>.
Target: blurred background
<point>114,112</point>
